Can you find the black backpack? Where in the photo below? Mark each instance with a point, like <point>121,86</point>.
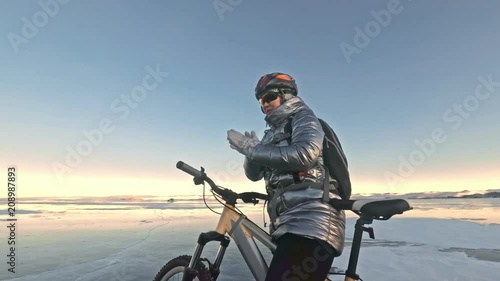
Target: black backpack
<point>333,158</point>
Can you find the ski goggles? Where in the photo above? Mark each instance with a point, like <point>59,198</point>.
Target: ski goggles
<point>268,97</point>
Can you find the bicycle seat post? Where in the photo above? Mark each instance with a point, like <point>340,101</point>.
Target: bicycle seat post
<point>356,245</point>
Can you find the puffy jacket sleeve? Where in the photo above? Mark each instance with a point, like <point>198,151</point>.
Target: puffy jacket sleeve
<point>302,153</point>
<point>252,171</point>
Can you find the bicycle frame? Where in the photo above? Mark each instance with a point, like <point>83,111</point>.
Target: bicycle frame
<point>243,231</point>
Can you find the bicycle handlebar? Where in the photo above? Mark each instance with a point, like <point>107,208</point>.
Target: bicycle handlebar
<point>200,177</point>
<point>247,197</point>
<point>188,169</point>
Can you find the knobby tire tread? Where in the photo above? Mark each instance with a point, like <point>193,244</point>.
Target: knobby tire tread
<point>183,260</point>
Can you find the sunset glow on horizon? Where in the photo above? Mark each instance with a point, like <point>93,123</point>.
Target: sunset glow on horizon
<point>47,185</point>
<point>107,106</point>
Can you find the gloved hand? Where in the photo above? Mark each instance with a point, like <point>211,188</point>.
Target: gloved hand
<point>253,136</point>
<point>243,143</point>
<point>248,197</point>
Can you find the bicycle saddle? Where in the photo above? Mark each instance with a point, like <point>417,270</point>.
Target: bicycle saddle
<point>381,209</point>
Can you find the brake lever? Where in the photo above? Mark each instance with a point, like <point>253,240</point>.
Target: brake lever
<point>199,180</point>
<point>247,197</point>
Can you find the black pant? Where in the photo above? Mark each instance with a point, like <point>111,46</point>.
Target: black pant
<point>298,259</point>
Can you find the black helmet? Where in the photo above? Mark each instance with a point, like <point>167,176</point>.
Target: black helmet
<point>276,80</point>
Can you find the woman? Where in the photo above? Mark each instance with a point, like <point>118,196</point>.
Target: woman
<point>308,232</point>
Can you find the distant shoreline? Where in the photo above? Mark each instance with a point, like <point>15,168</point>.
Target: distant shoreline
<point>180,198</point>
<point>469,196</point>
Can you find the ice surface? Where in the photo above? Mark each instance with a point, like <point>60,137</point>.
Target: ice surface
<point>438,240</point>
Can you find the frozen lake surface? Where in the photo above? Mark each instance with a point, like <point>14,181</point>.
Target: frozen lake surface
<point>130,240</point>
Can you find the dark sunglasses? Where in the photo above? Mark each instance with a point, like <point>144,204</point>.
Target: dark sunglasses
<point>268,97</point>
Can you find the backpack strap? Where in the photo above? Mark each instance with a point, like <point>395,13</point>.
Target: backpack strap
<point>288,131</point>
<point>296,177</point>
<point>326,186</point>
<point>298,184</point>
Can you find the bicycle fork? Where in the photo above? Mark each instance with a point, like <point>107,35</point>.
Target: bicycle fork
<point>190,271</point>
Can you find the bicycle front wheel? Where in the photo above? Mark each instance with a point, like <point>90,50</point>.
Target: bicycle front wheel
<point>174,270</point>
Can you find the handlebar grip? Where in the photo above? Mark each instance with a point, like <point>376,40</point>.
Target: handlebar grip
<point>188,169</point>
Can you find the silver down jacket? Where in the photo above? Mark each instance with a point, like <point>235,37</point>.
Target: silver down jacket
<point>301,212</point>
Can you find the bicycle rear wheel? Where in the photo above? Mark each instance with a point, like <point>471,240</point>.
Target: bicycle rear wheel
<point>174,270</point>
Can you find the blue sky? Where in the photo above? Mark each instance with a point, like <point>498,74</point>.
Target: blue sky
<point>396,90</point>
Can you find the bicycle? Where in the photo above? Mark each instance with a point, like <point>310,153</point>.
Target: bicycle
<point>234,224</point>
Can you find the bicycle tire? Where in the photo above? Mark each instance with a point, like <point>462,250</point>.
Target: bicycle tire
<point>177,265</point>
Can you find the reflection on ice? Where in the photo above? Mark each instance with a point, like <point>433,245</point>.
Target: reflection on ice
<point>480,254</point>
